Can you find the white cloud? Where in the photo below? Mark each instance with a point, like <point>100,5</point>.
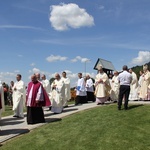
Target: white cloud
<point>79,58</point>
<point>35,70</point>
<point>7,76</point>
<point>53,58</point>
<point>143,57</point>
<point>101,7</point>
<point>65,16</point>
<point>19,27</point>
<point>32,64</point>
<point>85,60</point>
<point>68,71</point>
<point>16,71</point>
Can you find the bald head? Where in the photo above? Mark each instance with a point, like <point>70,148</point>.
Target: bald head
<point>57,76</point>
<point>33,78</point>
<point>37,76</point>
<point>88,76</point>
<point>116,73</point>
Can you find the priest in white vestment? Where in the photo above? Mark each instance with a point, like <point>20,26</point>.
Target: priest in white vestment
<point>140,81</point>
<point>102,86</point>
<point>67,89</point>
<point>2,105</point>
<point>133,86</point>
<point>46,85</point>
<point>114,92</point>
<point>90,89</point>
<point>19,97</point>
<point>81,90</point>
<point>145,85</point>
<point>57,94</point>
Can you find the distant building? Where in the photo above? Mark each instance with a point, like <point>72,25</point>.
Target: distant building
<point>108,67</point>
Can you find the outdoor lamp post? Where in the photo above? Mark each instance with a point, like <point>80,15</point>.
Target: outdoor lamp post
<point>87,60</point>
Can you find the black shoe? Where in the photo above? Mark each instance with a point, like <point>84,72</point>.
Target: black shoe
<point>126,108</point>
<point>66,106</point>
<point>20,117</point>
<point>16,116</point>
<point>119,108</point>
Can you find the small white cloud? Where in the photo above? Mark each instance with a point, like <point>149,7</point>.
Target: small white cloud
<point>79,58</point>
<point>143,57</point>
<point>65,16</point>
<point>30,71</point>
<point>33,64</point>
<point>74,60</point>
<point>68,71</point>
<point>85,60</point>
<point>53,58</point>
<point>16,71</point>
<point>101,7</point>
<point>35,70</point>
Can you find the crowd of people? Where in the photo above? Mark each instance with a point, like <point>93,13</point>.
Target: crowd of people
<point>39,93</point>
<point>117,87</point>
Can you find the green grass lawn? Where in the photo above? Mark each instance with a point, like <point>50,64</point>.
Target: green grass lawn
<point>8,111</point>
<point>100,128</point>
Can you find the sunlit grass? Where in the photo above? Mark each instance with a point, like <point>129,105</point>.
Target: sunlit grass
<point>100,128</point>
<point>8,111</point>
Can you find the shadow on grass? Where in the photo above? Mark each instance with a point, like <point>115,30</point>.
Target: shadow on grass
<point>135,106</point>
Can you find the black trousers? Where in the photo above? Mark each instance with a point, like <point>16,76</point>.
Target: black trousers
<point>124,92</point>
<point>80,100</point>
<point>90,96</point>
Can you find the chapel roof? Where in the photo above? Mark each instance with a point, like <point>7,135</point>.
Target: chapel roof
<point>105,64</point>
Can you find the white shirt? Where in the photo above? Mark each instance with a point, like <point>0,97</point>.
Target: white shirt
<point>89,85</point>
<point>125,78</point>
<point>81,89</point>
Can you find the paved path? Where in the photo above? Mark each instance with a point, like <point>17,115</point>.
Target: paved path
<point>11,127</point>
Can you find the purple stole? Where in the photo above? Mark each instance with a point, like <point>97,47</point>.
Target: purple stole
<point>36,87</point>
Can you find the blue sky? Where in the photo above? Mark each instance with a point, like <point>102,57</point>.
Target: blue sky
<point>50,36</point>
